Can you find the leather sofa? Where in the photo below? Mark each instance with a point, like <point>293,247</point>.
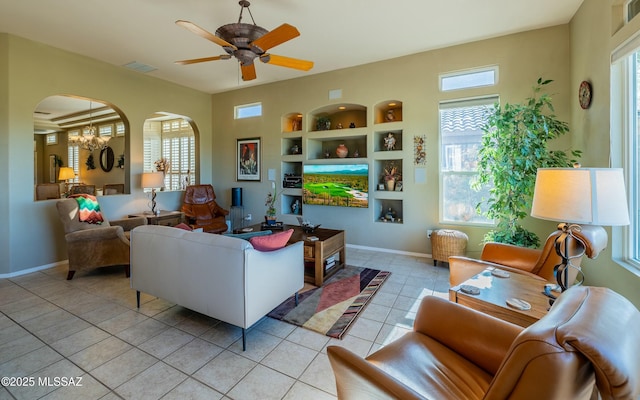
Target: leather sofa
<point>538,263</point>
<point>219,276</point>
<point>589,336</point>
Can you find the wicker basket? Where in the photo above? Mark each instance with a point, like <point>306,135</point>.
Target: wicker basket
<point>446,243</point>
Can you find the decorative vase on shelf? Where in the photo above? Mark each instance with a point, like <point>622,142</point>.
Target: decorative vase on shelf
<point>391,184</point>
<point>342,151</point>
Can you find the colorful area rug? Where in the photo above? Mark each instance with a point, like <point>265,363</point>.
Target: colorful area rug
<point>334,307</point>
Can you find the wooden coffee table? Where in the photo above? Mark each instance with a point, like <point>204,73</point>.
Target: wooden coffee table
<point>495,291</point>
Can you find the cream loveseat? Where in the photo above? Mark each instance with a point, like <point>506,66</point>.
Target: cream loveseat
<point>219,276</point>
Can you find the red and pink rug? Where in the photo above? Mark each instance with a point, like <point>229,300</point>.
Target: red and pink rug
<point>334,307</point>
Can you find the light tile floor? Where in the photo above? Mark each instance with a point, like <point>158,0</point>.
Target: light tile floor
<point>89,327</point>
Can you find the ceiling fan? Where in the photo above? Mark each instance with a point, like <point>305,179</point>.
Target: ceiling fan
<point>246,42</point>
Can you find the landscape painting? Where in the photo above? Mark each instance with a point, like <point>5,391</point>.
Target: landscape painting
<point>342,185</point>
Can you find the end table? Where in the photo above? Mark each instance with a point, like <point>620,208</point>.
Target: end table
<point>166,218</point>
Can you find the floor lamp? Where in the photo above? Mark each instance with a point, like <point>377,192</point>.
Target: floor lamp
<point>153,180</point>
<point>592,196</point>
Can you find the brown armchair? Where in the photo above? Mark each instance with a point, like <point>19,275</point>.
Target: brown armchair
<point>589,336</point>
<point>46,191</point>
<point>93,245</point>
<point>201,210</point>
<point>533,262</point>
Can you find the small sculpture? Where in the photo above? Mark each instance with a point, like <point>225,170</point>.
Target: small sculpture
<point>327,154</point>
<point>295,207</point>
<point>391,116</point>
<point>352,125</point>
<point>339,125</point>
<point>390,142</point>
<point>295,149</point>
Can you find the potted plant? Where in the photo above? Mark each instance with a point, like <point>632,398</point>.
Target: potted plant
<point>514,146</point>
<point>390,175</point>
<point>270,203</point>
<point>323,123</point>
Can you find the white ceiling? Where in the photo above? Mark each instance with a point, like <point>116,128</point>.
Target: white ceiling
<point>335,34</point>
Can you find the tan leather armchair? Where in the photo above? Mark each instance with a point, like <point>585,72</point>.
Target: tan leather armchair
<point>534,262</point>
<point>590,335</point>
<point>201,210</point>
<point>93,245</point>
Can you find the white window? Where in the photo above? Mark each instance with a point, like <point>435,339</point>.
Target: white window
<point>625,141</point>
<point>469,79</point>
<point>106,130</point>
<point>460,139</point>
<point>173,140</point>
<point>248,110</point>
<point>120,131</point>
<point>52,138</point>
<point>73,156</point>
<point>633,8</point>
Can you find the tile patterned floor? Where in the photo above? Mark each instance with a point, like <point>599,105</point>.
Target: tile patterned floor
<point>89,327</point>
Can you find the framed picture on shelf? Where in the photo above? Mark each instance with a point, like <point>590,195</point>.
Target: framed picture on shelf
<point>381,186</point>
<point>398,186</point>
<point>248,159</point>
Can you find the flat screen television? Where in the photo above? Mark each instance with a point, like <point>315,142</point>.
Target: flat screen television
<point>342,185</point>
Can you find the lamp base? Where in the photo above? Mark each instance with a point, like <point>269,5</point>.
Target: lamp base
<point>563,245</point>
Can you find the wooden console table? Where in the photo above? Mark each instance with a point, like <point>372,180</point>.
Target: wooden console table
<point>166,218</point>
<point>331,242</point>
<point>495,291</point>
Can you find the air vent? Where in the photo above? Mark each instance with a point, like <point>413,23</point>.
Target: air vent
<point>140,67</point>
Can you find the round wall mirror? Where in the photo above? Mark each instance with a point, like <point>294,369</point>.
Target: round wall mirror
<point>106,159</point>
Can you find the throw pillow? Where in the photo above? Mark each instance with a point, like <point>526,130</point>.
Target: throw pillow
<point>271,242</point>
<point>184,226</point>
<point>248,235</point>
<point>88,208</point>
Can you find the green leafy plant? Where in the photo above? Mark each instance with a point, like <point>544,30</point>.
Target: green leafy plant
<point>514,146</point>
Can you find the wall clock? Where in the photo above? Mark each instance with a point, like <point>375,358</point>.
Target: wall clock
<point>584,94</point>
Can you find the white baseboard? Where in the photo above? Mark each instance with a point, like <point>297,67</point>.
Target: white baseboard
<point>31,270</point>
<point>406,253</point>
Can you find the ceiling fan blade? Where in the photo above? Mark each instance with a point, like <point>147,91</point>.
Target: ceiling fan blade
<point>204,59</point>
<point>288,62</point>
<point>204,33</point>
<point>248,72</point>
<point>277,36</point>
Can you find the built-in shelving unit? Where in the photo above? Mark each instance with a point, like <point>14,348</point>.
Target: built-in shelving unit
<point>337,117</point>
<point>314,139</point>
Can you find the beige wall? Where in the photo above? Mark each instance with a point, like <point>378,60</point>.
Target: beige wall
<point>522,58</point>
<point>30,72</point>
<point>591,45</point>
<point>568,54</point>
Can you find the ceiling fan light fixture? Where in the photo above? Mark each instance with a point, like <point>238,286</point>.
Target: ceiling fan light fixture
<point>245,42</point>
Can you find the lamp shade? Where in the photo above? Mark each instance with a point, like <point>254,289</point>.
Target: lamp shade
<point>152,180</point>
<point>66,173</point>
<point>593,196</point>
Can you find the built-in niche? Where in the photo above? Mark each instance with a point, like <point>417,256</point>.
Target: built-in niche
<point>171,147</point>
<point>68,131</point>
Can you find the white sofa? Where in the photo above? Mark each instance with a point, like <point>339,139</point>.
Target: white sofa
<point>219,276</point>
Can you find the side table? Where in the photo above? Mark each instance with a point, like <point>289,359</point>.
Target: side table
<point>166,218</point>
<point>495,291</point>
